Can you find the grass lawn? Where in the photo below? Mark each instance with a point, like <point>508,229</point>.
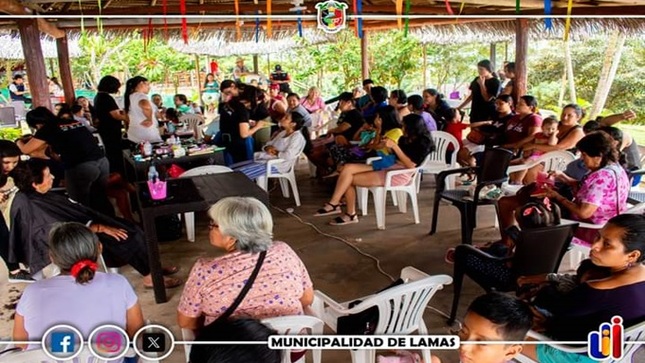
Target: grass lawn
<point>637,132</point>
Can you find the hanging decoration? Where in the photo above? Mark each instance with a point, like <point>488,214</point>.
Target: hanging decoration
<point>164,6</point>
<point>399,12</point>
<point>548,22</point>
<point>355,10</point>
<point>517,6</point>
<point>269,22</point>
<point>184,24</point>
<point>257,26</point>
<point>567,24</point>
<point>238,31</point>
<point>298,9</point>
<point>359,10</point>
<point>147,35</point>
<point>449,8</point>
<point>80,6</point>
<point>407,18</point>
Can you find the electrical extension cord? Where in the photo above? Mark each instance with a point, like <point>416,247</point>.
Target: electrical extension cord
<point>291,212</point>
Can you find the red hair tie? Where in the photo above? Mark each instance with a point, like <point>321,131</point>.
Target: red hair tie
<point>530,210</point>
<point>80,265</point>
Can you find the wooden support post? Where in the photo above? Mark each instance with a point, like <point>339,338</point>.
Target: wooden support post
<point>199,79</point>
<point>36,70</point>
<point>256,69</point>
<point>64,69</point>
<point>521,51</point>
<point>365,66</point>
<point>425,65</point>
<point>493,55</point>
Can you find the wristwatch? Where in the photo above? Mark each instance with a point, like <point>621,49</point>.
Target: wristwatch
<point>551,277</point>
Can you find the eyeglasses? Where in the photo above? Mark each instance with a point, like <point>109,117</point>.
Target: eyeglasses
<point>212,225</point>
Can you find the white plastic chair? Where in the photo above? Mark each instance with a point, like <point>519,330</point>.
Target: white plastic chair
<point>52,270</point>
<point>400,308</point>
<point>436,162</point>
<point>632,334</point>
<point>202,170</point>
<point>194,123</point>
<point>295,325</point>
<point>285,179</point>
<point>399,194</point>
<point>580,249</point>
<point>284,325</point>
<point>553,161</point>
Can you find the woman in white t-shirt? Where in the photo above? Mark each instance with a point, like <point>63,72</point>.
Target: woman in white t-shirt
<point>143,123</point>
<point>80,296</point>
<point>288,143</point>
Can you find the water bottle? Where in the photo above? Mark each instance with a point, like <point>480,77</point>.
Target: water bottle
<point>147,149</point>
<point>153,174</point>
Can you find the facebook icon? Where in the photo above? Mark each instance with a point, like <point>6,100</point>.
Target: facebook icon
<point>62,342</point>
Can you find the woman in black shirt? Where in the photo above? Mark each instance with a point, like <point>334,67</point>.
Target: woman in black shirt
<point>86,168</point>
<point>483,91</point>
<point>411,150</point>
<point>110,118</point>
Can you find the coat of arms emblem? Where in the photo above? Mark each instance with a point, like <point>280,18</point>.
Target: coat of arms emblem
<point>331,16</point>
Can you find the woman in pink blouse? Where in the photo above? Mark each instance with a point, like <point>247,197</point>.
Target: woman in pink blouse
<point>313,102</point>
<point>243,228</point>
<point>601,195</point>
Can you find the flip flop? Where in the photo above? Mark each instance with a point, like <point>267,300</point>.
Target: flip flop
<point>171,270</point>
<point>169,283</point>
<point>450,256</point>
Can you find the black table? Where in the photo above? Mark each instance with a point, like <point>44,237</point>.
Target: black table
<point>188,195</point>
<point>141,167</point>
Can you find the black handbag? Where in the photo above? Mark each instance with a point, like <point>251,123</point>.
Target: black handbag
<point>363,323</point>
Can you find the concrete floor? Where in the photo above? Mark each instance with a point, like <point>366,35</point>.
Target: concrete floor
<point>335,267</point>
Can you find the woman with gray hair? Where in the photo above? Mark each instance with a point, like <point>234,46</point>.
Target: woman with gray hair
<point>80,296</point>
<point>243,228</point>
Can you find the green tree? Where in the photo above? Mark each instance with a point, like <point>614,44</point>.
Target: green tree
<point>394,57</point>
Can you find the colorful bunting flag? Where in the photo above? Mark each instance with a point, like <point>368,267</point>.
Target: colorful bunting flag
<point>359,10</point>
<point>449,8</point>
<point>184,24</point>
<point>548,23</point>
<point>407,19</point>
<point>567,24</point>
<point>269,23</point>
<point>399,11</point>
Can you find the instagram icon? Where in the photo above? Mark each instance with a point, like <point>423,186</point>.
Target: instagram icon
<point>109,342</point>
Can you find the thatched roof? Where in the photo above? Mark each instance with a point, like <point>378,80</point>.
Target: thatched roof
<point>221,44</point>
<point>498,31</point>
<point>11,47</point>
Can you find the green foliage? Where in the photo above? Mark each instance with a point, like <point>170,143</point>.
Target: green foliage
<point>546,66</point>
<point>102,56</point>
<point>394,57</point>
<point>10,134</point>
<point>454,65</point>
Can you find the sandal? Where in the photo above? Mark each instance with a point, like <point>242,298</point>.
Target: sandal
<point>167,271</point>
<point>169,283</point>
<point>324,211</point>
<point>346,219</point>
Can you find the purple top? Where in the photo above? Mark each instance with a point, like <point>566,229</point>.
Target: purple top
<point>60,300</point>
<point>573,320</point>
<point>431,124</point>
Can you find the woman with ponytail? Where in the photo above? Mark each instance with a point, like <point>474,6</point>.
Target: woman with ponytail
<point>483,90</point>
<point>80,296</point>
<point>143,122</point>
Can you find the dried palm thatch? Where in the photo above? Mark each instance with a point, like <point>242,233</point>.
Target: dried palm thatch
<point>11,47</point>
<point>498,31</point>
<point>221,44</point>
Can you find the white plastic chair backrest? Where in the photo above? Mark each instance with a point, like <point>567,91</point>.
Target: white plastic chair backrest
<point>442,140</point>
<point>206,170</point>
<point>632,334</point>
<point>194,122</point>
<point>556,160</point>
<point>401,307</point>
<point>295,324</point>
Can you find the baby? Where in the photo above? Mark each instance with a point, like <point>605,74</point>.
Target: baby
<point>548,136</point>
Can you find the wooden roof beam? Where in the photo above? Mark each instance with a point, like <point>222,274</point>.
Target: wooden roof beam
<point>12,7</point>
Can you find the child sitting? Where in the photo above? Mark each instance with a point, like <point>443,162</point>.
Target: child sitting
<point>548,136</point>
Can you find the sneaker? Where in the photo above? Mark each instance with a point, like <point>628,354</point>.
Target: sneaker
<point>21,276</point>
